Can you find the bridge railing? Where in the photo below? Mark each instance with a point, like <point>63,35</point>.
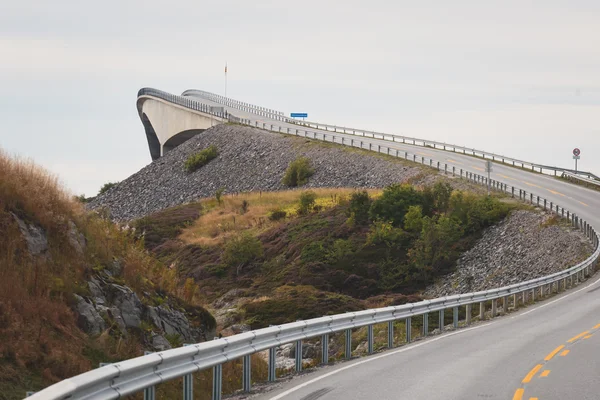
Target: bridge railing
<point>279,116</point>
<point>143,373</point>
<point>573,177</point>
<point>182,101</point>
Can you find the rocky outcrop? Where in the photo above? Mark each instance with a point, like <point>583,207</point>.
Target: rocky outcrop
<point>34,236</point>
<point>249,159</point>
<point>526,245</point>
<point>116,307</point>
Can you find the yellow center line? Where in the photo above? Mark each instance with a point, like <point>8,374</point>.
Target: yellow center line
<point>596,327</point>
<point>587,337</point>
<point>519,394</point>
<point>532,184</point>
<point>581,202</point>
<point>454,161</point>
<point>422,154</point>
<point>532,373</point>
<point>564,353</point>
<point>577,337</point>
<point>478,169</point>
<point>555,192</point>
<point>554,352</point>
<point>545,373</point>
<point>533,398</point>
<point>507,177</point>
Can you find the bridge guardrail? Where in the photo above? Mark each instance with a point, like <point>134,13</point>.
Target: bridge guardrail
<point>571,176</point>
<point>279,116</point>
<point>143,373</point>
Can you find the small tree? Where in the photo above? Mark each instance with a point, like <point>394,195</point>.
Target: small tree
<point>307,202</point>
<point>219,195</point>
<point>298,172</point>
<point>245,206</point>
<point>241,249</point>
<point>106,187</point>
<point>358,208</point>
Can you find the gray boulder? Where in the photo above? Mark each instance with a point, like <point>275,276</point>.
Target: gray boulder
<point>126,305</point>
<point>160,343</point>
<point>88,318</point>
<point>173,322</point>
<point>35,237</point>
<point>76,238</point>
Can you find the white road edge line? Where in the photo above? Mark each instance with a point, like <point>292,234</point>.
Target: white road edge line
<point>387,354</point>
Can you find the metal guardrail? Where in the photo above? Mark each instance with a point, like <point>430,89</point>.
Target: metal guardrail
<point>279,116</point>
<point>571,176</point>
<point>120,379</point>
<point>181,101</point>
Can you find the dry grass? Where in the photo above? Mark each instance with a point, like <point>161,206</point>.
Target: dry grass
<point>220,221</point>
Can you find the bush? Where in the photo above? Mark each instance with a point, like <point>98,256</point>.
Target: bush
<point>413,220</point>
<point>219,195</point>
<point>241,249</point>
<point>245,206</point>
<point>394,203</point>
<point>307,202</point>
<point>358,208</point>
<point>106,187</point>
<point>298,172</point>
<point>200,159</point>
<point>278,214</point>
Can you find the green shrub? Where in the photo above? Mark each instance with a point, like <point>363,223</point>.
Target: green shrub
<point>413,220</point>
<point>200,159</point>
<point>241,249</point>
<point>106,187</point>
<point>394,203</point>
<point>277,214</point>
<point>341,249</point>
<point>298,172</point>
<point>219,195</point>
<point>307,202</point>
<point>358,208</point>
<point>384,232</point>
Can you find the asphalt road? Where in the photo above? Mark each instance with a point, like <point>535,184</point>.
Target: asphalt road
<point>501,359</point>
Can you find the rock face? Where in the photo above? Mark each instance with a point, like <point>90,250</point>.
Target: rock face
<point>249,160</point>
<point>35,237</point>
<point>526,245</point>
<point>121,306</point>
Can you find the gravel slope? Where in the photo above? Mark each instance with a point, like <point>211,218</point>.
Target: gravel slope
<point>250,159</point>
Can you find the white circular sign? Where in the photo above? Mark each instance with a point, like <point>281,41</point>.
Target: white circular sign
<point>576,152</point>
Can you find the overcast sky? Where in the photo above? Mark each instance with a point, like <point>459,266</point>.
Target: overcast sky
<point>515,77</point>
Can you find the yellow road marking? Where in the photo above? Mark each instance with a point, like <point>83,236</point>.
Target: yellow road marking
<point>532,373</point>
<point>574,338</point>
<point>564,353</point>
<point>555,192</point>
<point>581,202</point>
<point>507,177</point>
<point>454,161</point>
<point>554,352</point>
<point>596,327</point>
<point>519,394</point>
<point>478,169</point>
<point>422,154</point>
<point>545,373</point>
<point>587,337</point>
<point>532,184</point>
<point>533,398</point>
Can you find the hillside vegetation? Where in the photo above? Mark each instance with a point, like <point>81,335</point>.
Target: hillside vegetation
<point>51,250</point>
<point>328,251</point>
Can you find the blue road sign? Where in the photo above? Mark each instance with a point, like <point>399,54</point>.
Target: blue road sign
<point>299,115</point>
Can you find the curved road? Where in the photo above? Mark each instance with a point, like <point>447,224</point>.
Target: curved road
<point>518,356</point>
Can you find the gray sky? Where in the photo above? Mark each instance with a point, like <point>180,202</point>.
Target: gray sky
<point>514,77</point>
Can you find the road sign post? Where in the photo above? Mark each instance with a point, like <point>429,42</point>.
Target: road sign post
<point>576,156</point>
<point>299,115</point>
<point>488,169</point>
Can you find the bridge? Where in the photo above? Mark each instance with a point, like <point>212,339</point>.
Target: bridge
<point>547,350</point>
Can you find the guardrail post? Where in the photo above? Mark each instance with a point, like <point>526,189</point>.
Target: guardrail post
<point>272,376</point>
<point>217,382</point>
<point>531,198</point>
<point>441,321</point>
<point>298,355</point>
<point>425,324</point>
<point>407,326</point>
<point>370,339</point>
<point>494,308</point>
<point>414,158</point>
<point>246,375</point>
<point>453,171</point>
<point>468,314</point>
<point>150,393</point>
<point>552,207</point>
<point>445,169</point>
<point>390,334</point>
<point>348,344</point>
<point>481,311</point>
<point>325,349</point>
<point>455,317</point>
